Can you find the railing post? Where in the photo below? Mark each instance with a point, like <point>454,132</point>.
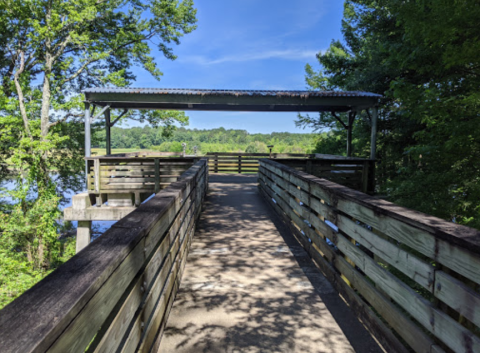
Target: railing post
<point>89,164</point>
<point>215,168</point>
<point>373,138</point>
<point>96,175</point>
<point>371,177</point>
<point>365,176</point>
<point>239,163</point>
<point>309,168</point>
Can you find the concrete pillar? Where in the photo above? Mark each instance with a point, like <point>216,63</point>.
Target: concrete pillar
<point>84,230</point>
<point>121,200</point>
<point>100,200</point>
<point>84,235</point>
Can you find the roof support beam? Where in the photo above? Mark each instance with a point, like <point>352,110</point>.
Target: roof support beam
<point>369,116</point>
<point>339,120</point>
<point>351,118</point>
<point>105,108</point>
<point>125,111</point>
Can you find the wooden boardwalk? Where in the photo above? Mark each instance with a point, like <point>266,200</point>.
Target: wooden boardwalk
<point>411,278</point>
<point>249,286</point>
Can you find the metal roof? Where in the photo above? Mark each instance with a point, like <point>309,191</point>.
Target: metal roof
<point>230,100</point>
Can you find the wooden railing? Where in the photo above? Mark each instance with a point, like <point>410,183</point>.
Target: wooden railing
<point>243,163</point>
<point>115,295</point>
<point>413,279</point>
<point>148,172</point>
<point>147,154</point>
<point>357,174</point>
<point>141,174</point>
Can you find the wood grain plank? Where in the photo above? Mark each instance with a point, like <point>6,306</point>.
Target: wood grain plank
<point>458,296</point>
<point>454,335</point>
<point>418,270</point>
<point>454,257</point>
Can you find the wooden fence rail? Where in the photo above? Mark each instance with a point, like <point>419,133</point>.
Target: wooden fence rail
<point>148,172</point>
<point>142,174</point>
<point>357,174</point>
<point>412,278</point>
<point>115,295</point>
<point>243,163</point>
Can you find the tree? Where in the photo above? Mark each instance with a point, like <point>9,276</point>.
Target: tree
<point>423,56</point>
<point>52,49</point>
<point>257,147</point>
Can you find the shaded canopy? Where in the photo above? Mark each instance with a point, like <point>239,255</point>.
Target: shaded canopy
<point>231,100</point>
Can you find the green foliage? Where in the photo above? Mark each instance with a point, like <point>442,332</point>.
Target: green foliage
<point>423,56</point>
<point>173,146</point>
<point>51,50</point>
<point>256,147</point>
<point>16,276</point>
<point>214,140</point>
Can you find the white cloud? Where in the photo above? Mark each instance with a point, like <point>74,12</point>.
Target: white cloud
<point>289,54</point>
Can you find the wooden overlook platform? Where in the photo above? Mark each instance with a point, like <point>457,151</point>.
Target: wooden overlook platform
<point>277,260</point>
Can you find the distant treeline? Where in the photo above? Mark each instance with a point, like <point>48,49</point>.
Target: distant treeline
<point>214,140</point>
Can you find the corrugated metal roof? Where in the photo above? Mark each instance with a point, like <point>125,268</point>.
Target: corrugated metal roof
<point>231,92</point>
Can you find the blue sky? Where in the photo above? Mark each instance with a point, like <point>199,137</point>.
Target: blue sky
<point>249,44</point>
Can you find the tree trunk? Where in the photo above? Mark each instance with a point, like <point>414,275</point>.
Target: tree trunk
<point>46,96</point>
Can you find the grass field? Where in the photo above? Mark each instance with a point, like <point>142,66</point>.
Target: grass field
<point>103,151</point>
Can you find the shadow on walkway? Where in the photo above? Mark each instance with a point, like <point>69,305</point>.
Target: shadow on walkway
<point>249,286</point>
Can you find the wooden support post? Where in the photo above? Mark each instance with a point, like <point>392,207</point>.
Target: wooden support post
<point>351,118</point>
<point>365,176</point>
<point>215,169</point>
<point>89,177</point>
<point>309,167</point>
<point>87,139</point>
<point>239,164</point>
<point>373,139</point>
<point>371,177</point>
<point>157,175</point>
<point>84,235</point>
<point>108,126</point>
<point>349,141</point>
<point>96,175</point>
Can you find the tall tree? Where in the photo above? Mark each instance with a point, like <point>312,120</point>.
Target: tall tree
<point>51,50</point>
<point>423,56</point>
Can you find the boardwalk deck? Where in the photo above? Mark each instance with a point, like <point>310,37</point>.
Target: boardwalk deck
<point>250,287</point>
